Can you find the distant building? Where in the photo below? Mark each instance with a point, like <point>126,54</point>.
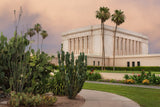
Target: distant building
<point>131,48</point>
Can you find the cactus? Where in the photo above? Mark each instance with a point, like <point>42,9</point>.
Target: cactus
<point>73,75</point>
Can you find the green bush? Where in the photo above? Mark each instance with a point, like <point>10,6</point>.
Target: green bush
<point>40,69</point>
<point>91,76</point>
<point>71,76</point>
<point>142,68</point>
<point>153,79</point>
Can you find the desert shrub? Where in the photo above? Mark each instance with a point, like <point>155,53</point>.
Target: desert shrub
<point>30,100</point>
<point>126,76</point>
<point>93,76</point>
<point>55,84</point>
<point>70,78</point>
<point>48,100</point>
<point>40,69</point>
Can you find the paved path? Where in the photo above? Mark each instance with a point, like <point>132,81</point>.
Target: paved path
<point>105,99</point>
<point>131,85</point>
<point>117,76</point>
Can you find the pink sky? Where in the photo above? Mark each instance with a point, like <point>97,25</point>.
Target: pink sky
<point>58,16</point>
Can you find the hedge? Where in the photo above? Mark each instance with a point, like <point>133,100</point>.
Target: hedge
<point>145,68</point>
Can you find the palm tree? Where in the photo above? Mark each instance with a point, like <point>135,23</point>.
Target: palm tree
<point>103,14</point>
<point>37,28</point>
<point>44,34</point>
<point>118,18</point>
<point>31,33</point>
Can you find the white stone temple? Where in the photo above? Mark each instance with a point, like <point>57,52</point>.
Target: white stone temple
<point>131,48</point>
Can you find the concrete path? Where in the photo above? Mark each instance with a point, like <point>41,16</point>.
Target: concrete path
<point>105,99</point>
<point>117,76</point>
<point>131,85</point>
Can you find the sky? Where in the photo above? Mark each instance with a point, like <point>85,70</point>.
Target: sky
<point>58,16</point>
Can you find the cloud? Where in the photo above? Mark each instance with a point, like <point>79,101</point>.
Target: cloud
<point>58,16</point>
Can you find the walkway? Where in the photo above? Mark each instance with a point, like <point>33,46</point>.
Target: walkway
<point>105,99</point>
<point>131,85</point>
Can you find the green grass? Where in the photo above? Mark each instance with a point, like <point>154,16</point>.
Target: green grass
<point>144,96</point>
<point>138,72</point>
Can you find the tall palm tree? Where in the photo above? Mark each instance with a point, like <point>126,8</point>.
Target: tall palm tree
<point>44,34</point>
<point>118,18</point>
<point>37,28</point>
<point>31,33</point>
<point>103,14</point>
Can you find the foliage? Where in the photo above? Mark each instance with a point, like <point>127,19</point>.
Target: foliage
<point>130,81</point>
<point>56,85</point>
<point>30,100</point>
<point>146,81</point>
<point>40,69</point>
<point>93,76</point>
<point>139,78</point>
<point>111,80</point>
<point>141,68</point>
<point>44,34</point>
<point>75,75</point>
<point>48,100</point>
<point>118,17</point>
<point>103,14</point>
<point>70,78</point>
<point>37,28</point>
<point>19,70</point>
<point>126,76</point>
<point>14,61</point>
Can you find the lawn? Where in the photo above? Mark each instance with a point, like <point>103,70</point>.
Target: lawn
<point>138,72</point>
<point>144,96</point>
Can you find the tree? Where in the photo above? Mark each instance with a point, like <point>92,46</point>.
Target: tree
<point>31,33</point>
<point>37,28</point>
<point>118,18</point>
<point>44,34</point>
<point>103,14</point>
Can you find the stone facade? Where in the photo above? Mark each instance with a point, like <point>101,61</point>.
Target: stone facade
<point>131,47</point>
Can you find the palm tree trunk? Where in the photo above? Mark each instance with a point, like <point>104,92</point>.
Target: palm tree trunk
<point>114,47</point>
<point>30,42</point>
<point>103,49</point>
<point>38,42</point>
<point>41,45</point>
<point>102,44</point>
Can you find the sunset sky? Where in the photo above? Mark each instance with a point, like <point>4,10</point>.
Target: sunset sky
<point>58,16</point>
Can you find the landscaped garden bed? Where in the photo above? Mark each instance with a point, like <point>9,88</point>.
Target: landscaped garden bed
<point>27,75</point>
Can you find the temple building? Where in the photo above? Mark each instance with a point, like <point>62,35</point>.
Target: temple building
<point>131,48</point>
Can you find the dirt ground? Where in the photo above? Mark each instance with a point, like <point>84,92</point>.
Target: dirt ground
<point>62,101</point>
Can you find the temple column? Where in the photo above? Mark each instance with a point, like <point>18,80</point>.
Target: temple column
<point>130,47</point>
<point>140,48</point>
<point>127,46</point>
<point>83,48</point>
<point>120,46</point>
<point>123,46</point>
<point>116,46</point>
<point>136,47</point>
